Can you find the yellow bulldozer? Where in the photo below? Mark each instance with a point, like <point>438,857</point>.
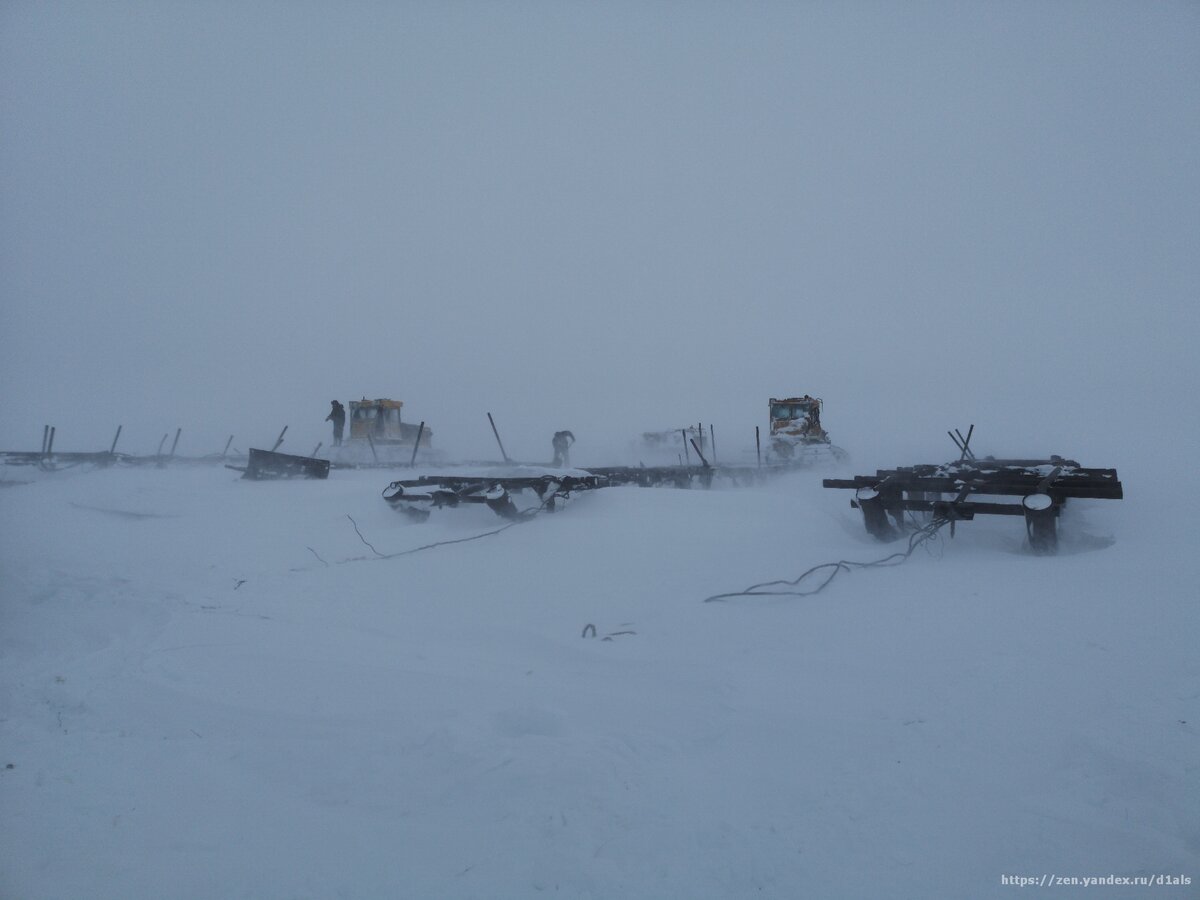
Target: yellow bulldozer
<point>379,421</point>
<point>796,433</point>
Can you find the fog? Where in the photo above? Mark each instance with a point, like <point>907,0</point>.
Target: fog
<point>604,217</point>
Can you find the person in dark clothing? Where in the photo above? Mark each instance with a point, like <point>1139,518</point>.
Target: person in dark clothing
<point>562,442</point>
<point>337,415</point>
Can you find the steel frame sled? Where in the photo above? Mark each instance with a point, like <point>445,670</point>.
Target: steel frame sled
<point>415,497</point>
<point>947,492</point>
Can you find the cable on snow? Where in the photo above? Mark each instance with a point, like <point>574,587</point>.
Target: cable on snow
<point>833,569</point>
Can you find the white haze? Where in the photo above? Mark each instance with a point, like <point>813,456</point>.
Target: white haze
<point>611,218</point>
<point>604,217</point>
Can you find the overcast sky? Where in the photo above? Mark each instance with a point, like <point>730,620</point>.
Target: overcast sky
<point>607,217</point>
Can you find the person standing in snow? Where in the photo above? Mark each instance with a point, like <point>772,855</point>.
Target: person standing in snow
<point>337,415</point>
<point>561,442</point>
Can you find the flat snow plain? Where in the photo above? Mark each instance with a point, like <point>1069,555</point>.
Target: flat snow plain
<point>212,688</point>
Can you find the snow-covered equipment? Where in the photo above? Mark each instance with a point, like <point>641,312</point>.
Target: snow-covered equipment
<point>797,437</point>
<point>416,496</point>
<point>267,464</point>
<point>672,443</point>
<point>946,492</point>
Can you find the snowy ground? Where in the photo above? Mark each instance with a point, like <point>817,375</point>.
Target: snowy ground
<point>211,688</point>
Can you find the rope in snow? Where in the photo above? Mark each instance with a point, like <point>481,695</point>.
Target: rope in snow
<point>915,540</point>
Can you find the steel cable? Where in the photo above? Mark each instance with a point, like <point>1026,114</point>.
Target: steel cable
<point>916,539</point>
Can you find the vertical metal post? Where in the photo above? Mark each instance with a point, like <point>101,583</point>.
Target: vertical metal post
<point>279,440</point>
<point>757,446</point>
<point>712,443</point>
<point>687,455</point>
<point>175,443</point>
<point>50,446</point>
<point>892,498</point>
<point>227,443</point>
<point>113,448</point>
<point>497,434</point>
<point>1040,523</point>
<point>417,443</point>
<point>317,449</point>
<point>45,438</point>
<point>372,443</point>
<point>874,511</point>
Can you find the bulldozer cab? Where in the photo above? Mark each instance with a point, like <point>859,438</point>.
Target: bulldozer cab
<point>378,420</point>
<point>799,416</point>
